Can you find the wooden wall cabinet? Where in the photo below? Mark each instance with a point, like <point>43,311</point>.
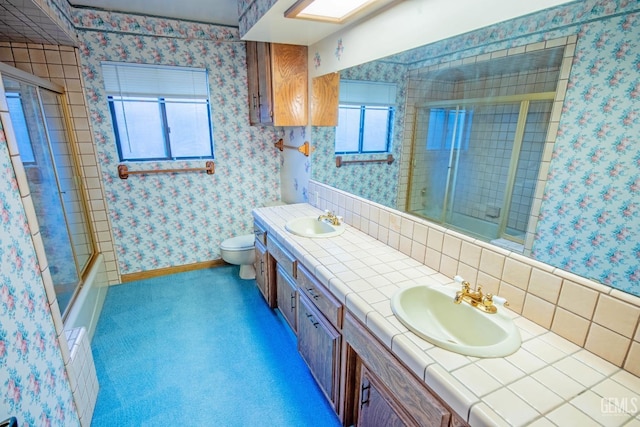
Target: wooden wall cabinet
<point>325,100</point>
<point>278,84</point>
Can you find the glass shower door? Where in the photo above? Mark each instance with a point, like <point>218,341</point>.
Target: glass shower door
<point>40,128</point>
<point>474,165</point>
<point>441,135</point>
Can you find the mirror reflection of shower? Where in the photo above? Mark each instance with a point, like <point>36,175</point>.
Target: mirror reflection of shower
<point>38,119</point>
<point>478,144</point>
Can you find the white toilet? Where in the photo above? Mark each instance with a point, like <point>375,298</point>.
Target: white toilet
<point>240,251</point>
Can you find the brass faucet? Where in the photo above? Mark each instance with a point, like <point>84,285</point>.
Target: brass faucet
<point>476,298</point>
<point>330,217</point>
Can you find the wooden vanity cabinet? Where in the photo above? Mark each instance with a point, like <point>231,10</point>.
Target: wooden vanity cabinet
<point>277,82</point>
<point>319,344</point>
<point>284,267</point>
<point>287,298</point>
<point>376,405</point>
<point>319,337</point>
<point>385,391</point>
<point>262,262</point>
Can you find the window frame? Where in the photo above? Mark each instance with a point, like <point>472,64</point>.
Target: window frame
<point>160,86</point>
<point>463,118</point>
<point>29,158</point>
<point>390,109</point>
<point>164,122</point>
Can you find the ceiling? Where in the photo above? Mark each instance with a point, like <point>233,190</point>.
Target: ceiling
<point>24,21</point>
<point>221,12</point>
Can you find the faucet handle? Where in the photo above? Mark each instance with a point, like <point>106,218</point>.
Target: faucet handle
<point>500,300</point>
<point>465,285</point>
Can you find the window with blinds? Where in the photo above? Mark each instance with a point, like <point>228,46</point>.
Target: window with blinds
<point>365,117</point>
<point>159,112</point>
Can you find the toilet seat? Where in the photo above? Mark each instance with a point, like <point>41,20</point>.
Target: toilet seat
<point>238,243</point>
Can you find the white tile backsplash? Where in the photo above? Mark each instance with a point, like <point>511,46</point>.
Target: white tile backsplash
<point>506,273</point>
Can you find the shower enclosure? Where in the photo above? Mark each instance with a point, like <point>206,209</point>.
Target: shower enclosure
<point>479,132</point>
<point>476,161</point>
<point>41,129</point>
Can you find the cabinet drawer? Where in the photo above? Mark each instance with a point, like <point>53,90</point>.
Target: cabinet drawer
<point>320,296</point>
<point>282,257</point>
<point>261,232</point>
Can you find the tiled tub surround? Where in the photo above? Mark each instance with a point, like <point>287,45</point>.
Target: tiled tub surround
<point>82,374</point>
<point>549,380</point>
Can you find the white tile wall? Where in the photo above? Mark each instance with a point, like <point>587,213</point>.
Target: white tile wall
<point>587,314</point>
<point>82,374</point>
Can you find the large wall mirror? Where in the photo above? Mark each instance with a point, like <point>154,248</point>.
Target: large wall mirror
<point>531,144</point>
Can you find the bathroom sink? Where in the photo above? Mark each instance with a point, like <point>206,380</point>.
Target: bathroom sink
<point>430,313</point>
<point>309,226</point>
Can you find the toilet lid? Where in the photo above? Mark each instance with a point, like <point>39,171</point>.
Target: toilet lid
<point>238,243</point>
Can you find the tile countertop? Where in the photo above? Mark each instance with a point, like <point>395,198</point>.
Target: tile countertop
<point>548,381</point>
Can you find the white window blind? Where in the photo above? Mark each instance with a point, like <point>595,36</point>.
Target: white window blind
<point>358,92</point>
<point>137,80</point>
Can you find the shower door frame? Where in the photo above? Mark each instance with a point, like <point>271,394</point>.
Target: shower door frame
<point>40,83</point>
<point>524,100</point>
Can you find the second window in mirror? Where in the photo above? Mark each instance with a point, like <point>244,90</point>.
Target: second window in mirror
<point>365,117</point>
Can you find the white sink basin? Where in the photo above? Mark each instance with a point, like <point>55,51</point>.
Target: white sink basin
<point>430,313</point>
<point>309,226</point>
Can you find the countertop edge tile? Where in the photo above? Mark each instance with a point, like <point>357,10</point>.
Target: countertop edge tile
<point>481,415</point>
<point>450,390</point>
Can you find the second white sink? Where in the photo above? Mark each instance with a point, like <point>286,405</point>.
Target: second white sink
<point>309,226</point>
<point>430,313</point>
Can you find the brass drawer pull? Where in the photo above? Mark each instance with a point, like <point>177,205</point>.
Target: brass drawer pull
<point>312,320</point>
<point>313,294</point>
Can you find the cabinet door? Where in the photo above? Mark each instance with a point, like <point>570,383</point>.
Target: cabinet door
<point>325,100</point>
<point>252,83</point>
<point>277,83</point>
<point>319,345</point>
<point>409,393</point>
<point>260,265</point>
<point>290,91</point>
<point>377,406</point>
<point>265,94</point>
<point>287,297</point>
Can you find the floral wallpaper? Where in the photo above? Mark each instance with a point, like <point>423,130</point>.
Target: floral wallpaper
<point>33,382</point>
<point>295,166</point>
<point>59,11</point>
<point>150,26</point>
<point>250,11</point>
<point>589,217</point>
<point>166,220</point>
<point>589,221</point>
<point>374,181</point>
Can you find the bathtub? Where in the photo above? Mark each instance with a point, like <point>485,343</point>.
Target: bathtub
<point>475,227</point>
<point>87,306</point>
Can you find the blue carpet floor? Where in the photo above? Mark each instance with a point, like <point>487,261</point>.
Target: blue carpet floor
<point>200,349</point>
